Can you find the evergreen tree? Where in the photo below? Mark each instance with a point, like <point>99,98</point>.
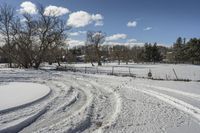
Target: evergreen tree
<point>178,50</point>
<point>156,55</point>
<point>193,51</point>
<point>148,52</point>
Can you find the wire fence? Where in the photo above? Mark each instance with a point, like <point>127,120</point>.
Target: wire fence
<point>128,71</point>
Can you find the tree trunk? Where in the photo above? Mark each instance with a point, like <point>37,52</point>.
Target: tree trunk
<point>98,56</point>
<point>31,64</point>
<point>119,62</point>
<point>58,63</point>
<point>10,63</point>
<point>92,63</point>
<point>10,60</point>
<point>37,65</point>
<point>99,63</point>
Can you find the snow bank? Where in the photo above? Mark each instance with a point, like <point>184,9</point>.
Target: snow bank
<point>18,94</point>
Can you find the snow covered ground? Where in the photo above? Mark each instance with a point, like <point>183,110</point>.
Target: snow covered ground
<point>17,94</point>
<point>159,71</point>
<point>80,102</point>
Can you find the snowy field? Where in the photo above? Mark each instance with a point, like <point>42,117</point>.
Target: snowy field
<point>159,71</point>
<point>54,101</point>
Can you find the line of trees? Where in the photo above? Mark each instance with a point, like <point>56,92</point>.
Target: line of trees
<point>95,52</point>
<point>182,51</point>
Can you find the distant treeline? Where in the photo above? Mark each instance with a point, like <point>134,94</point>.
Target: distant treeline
<point>182,51</point>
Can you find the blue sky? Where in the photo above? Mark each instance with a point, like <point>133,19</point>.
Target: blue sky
<point>164,20</point>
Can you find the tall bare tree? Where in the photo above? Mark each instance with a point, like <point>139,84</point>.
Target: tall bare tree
<point>24,39</point>
<point>90,53</point>
<point>31,41</point>
<point>95,39</point>
<point>6,20</point>
<point>50,34</point>
<point>117,53</point>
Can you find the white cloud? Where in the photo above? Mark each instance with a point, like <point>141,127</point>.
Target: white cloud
<point>132,24</point>
<point>148,28</point>
<point>116,37</point>
<point>79,19</point>
<point>82,19</point>
<point>131,40</point>
<point>74,43</point>
<point>74,34</point>
<point>99,23</point>
<point>28,7</point>
<point>55,11</point>
<point>125,44</point>
<point>97,17</point>
<point>77,33</point>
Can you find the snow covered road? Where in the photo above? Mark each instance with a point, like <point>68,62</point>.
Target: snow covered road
<point>99,103</point>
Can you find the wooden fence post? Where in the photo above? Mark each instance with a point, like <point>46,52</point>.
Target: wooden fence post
<point>112,70</point>
<point>175,74</point>
<point>129,71</point>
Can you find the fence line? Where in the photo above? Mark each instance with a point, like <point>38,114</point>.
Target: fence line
<point>122,71</point>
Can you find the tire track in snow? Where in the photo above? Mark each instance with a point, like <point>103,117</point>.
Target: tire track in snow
<point>181,105</point>
<point>117,108</point>
<point>81,109</point>
<point>191,95</point>
<point>58,111</point>
<point>84,113</point>
<point>87,124</point>
<point>21,118</point>
<point>96,109</point>
<point>17,125</point>
<point>58,101</point>
<point>26,110</point>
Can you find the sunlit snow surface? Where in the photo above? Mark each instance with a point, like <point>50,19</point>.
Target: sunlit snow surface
<point>17,94</point>
<point>80,102</point>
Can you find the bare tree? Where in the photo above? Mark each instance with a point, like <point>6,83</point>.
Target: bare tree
<point>50,34</point>
<point>24,34</point>
<point>33,40</point>
<point>126,55</point>
<point>96,39</point>
<point>6,19</point>
<point>55,54</point>
<point>90,53</point>
<point>117,53</point>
